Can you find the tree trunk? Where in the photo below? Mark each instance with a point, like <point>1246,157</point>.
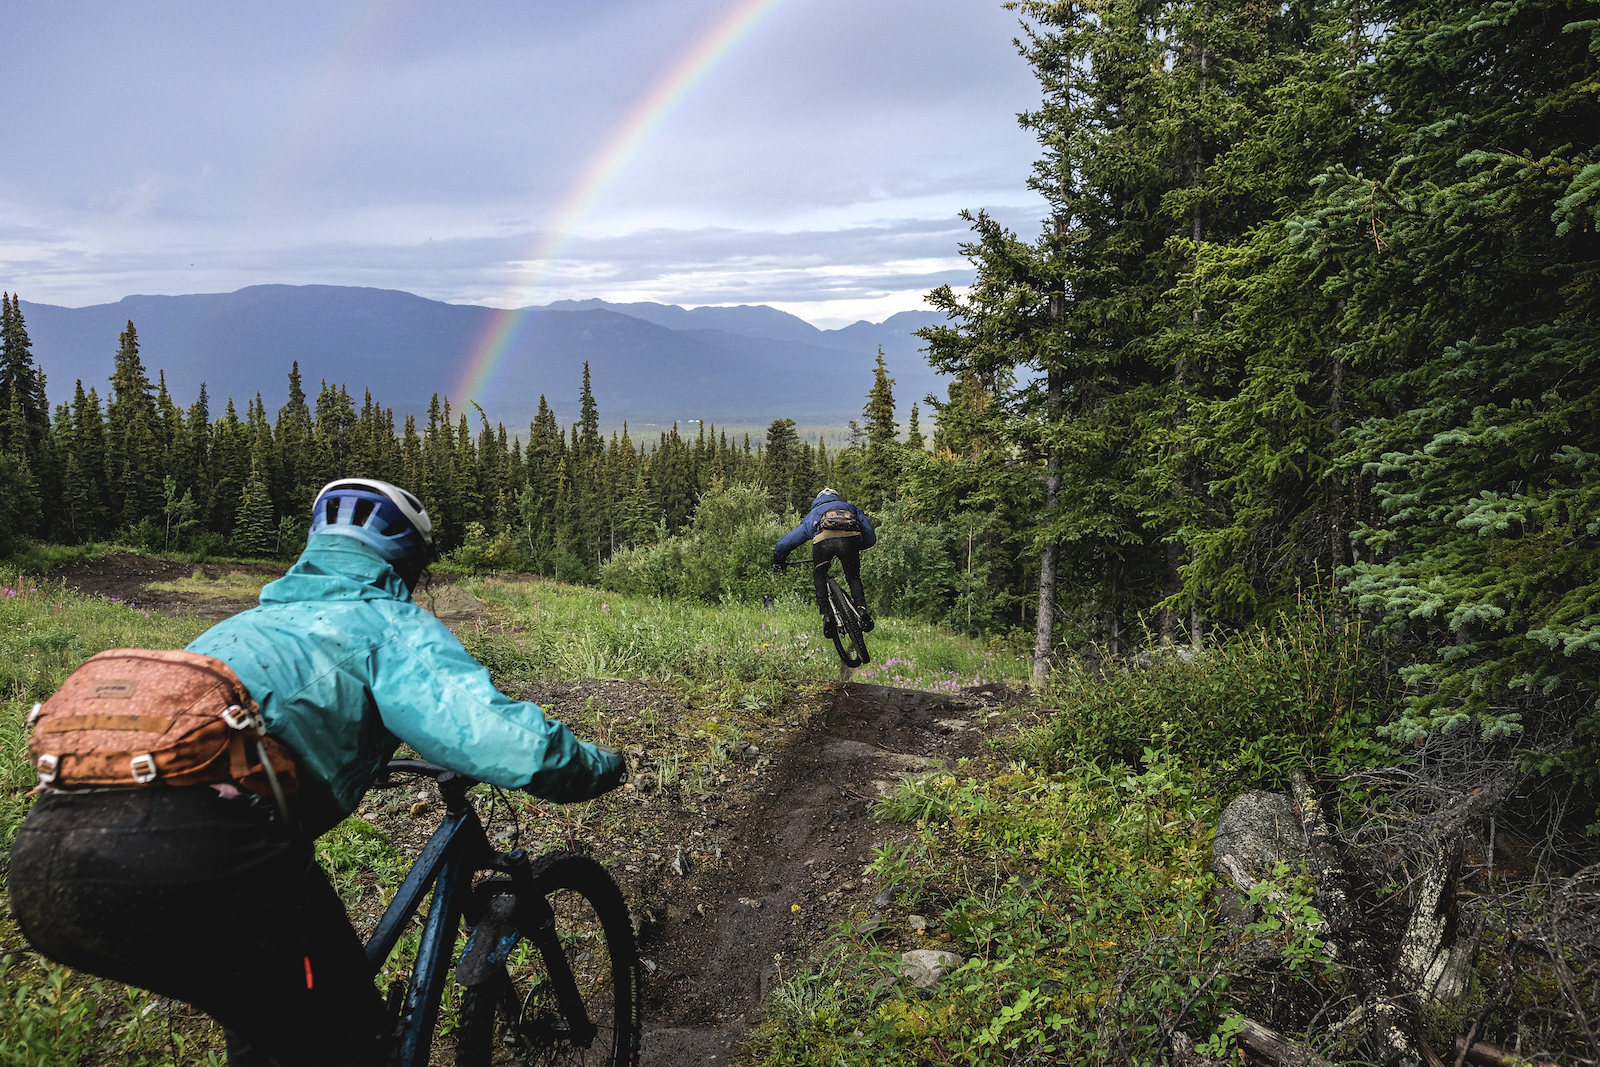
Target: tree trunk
<point>1044,631</point>
<point>1363,964</point>
<point>1436,953</point>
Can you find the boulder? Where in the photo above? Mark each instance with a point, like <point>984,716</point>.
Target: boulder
<point>925,965</point>
<point>1256,832</point>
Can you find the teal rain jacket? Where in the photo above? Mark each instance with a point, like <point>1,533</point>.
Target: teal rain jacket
<point>343,662</point>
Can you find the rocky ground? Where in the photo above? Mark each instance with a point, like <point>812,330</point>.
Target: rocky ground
<point>737,865</point>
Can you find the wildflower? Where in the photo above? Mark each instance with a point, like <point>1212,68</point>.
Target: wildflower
<point>605,607</point>
<point>794,908</point>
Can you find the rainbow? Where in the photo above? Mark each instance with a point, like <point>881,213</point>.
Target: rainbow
<point>693,67</point>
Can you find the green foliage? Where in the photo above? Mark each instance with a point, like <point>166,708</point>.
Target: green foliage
<point>43,1019</point>
<point>1049,887</point>
<point>481,553</point>
<point>1473,280</point>
<point>725,555</point>
<point>49,1019</point>
<point>1310,691</point>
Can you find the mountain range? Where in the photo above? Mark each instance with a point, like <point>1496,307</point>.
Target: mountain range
<point>651,364</point>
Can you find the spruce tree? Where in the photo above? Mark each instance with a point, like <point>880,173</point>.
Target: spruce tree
<point>882,460</point>
<point>303,467</point>
<point>134,454</point>
<point>779,462</point>
<point>19,376</point>
<point>255,533</point>
<point>1472,264</point>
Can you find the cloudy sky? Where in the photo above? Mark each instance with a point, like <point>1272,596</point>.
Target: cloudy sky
<point>808,154</point>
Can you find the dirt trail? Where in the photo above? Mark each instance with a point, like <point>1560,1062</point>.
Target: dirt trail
<point>802,840</point>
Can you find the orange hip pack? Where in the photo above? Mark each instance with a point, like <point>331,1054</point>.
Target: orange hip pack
<point>135,717</point>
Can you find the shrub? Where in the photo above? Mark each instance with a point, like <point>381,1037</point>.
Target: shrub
<point>1311,689</point>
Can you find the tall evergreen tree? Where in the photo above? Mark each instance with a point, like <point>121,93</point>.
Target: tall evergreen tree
<point>779,462</point>
<point>134,468</point>
<point>21,377</point>
<point>882,461</point>
<point>1472,266</point>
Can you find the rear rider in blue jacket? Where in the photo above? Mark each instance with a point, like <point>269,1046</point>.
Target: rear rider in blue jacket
<point>201,893</point>
<point>827,544</point>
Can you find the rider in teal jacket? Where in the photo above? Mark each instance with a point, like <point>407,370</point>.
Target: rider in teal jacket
<point>343,663</point>
<point>213,895</point>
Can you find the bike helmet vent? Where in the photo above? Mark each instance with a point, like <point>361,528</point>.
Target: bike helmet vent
<point>375,513</point>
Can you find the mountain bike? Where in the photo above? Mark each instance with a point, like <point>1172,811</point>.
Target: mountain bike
<point>550,970</point>
<point>847,622</point>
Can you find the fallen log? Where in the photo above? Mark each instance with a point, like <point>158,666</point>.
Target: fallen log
<point>1275,1048</point>
<point>1363,966</point>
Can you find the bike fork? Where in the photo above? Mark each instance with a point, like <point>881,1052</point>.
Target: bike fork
<point>537,920</point>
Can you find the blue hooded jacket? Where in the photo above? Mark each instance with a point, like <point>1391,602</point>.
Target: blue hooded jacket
<point>343,663</point>
<point>808,526</point>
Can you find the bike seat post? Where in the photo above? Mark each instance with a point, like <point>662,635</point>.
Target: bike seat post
<point>453,788</point>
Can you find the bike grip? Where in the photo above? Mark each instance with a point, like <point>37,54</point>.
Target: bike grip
<point>616,773</point>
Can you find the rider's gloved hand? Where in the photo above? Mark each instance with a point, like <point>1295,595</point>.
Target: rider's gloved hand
<point>616,771</point>
<point>780,563</point>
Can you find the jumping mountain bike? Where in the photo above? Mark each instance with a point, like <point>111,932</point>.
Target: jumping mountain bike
<point>550,970</point>
<point>847,622</point>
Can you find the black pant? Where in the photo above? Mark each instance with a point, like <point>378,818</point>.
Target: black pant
<point>203,900</point>
<point>847,550</point>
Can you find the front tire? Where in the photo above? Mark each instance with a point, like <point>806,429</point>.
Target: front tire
<point>513,1017</point>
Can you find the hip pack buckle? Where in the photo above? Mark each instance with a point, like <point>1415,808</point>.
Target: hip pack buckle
<point>143,767</point>
<point>240,719</point>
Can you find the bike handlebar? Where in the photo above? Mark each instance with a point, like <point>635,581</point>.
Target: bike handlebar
<point>418,767</point>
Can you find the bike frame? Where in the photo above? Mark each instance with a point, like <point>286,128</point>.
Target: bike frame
<point>458,850</point>
<point>835,590</point>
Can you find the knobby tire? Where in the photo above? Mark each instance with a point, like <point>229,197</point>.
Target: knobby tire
<point>513,1018</point>
<point>849,626</point>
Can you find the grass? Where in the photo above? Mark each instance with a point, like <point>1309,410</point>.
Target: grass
<point>731,665</point>
<point>1051,888</point>
<point>740,651</point>
<point>232,586</point>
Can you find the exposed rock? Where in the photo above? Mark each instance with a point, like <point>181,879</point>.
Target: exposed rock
<point>1256,832</point>
<point>918,924</point>
<point>924,966</point>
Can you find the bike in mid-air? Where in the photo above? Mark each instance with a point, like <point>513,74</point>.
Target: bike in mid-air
<point>847,622</point>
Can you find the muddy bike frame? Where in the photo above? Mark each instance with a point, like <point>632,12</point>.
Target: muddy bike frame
<point>458,850</point>
<point>841,606</point>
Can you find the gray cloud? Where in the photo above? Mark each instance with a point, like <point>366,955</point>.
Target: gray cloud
<point>185,146</point>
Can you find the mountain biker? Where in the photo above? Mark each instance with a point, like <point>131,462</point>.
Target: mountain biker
<point>209,895</point>
<point>841,535</point>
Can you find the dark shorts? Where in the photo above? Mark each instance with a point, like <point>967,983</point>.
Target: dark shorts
<point>203,900</point>
<point>847,550</point>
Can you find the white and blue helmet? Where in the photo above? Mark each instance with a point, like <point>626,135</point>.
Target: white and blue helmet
<point>375,513</point>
